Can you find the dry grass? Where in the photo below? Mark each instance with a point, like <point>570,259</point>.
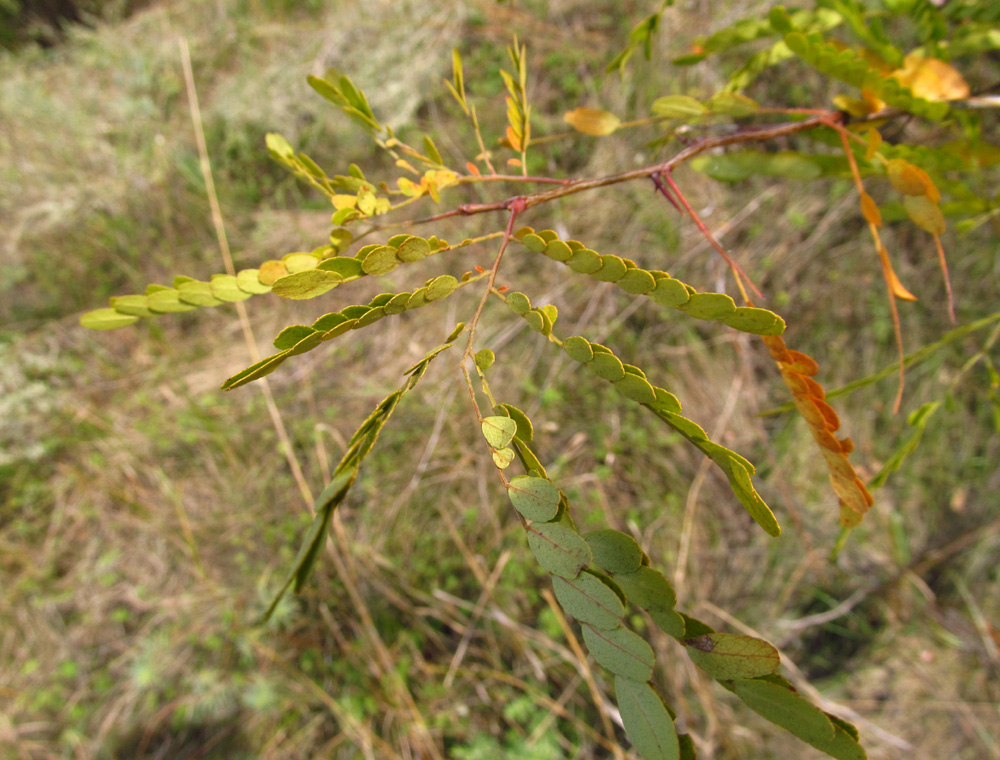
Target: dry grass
<point>146,516</point>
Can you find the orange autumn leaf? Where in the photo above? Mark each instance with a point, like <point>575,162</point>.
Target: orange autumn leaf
<point>869,209</point>
<point>807,394</point>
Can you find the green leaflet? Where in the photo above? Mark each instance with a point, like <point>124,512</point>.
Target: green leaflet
<point>783,707</point>
<point>498,431</point>
<point>621,651</point>
<point>196,293</point>
<point>658,286</point>
<point>503,457</point>
<point>255,371</point>
<point>590,600</point>
<point>525,430</point>
<point>614,551</point>
<point>227,288</point>
<point>670,622</point>
<point>649,589</point>
<point>678,107</point>
<point>647,722</point>
<point>728,656</point>
<point>107,319</point>
<point>308,283</point>
<point>535,498</point>
<point>291,335</point>
<point>558,549</point>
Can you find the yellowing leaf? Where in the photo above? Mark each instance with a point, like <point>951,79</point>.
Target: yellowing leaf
<point>911,180</point>
<point>869,210</point>
<point>592,121</point>
<point>931,78</point>
<point>341,201</point>
<point>874,143</point>
<point>894,284</point>
<point>513,139</point>
<point>925,213</point>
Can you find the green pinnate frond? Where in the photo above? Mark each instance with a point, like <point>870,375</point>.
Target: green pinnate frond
<point>658,286</point>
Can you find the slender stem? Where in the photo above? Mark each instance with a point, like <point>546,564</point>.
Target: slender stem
<point>887,274</point>
<point>737,270</point>
<point>516,206</point>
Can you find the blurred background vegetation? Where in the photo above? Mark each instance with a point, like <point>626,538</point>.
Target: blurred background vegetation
<point>145,516</point>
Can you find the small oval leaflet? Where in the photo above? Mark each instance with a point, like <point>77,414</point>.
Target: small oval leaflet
<point>499,431</point>
<point>585,261</point>
<point>647,722</point>
<point>558,250</point>
<point>534,243</point>
<point>678,107</point>
<point>623,652</point>
<point>249,281</point>
<point>168,300</point>
<point>607,367</point>
<point>637,388</point>
<point>292,335</point>
<point>670,292</point>
<point>485,359</point>
<point>518,303</point>
<point>380,261</point>
<point>535,498</point>
<point>578,349</point>
<point>637,281</point>
<point>558,549</point>
<point>137,306</point>
<point>728,655</point>
<point>614,551</point>
<point>441,287</point>
<point>106,319</point>
<point>525,430</point>
<point>309,283</point>
<point>590,600</point>
<point>413,248</point>
<point>925,213</point>
<point>226,288</point>
<point>612,268</point>
<point>670,622</point>
<point>503,458</point>
<point>648,588</point>
<point>709,306</point>
<point>197,293</point>
<point>755,321</point>
<point>592,121</point>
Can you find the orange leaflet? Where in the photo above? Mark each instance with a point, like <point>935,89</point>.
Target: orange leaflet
<point>808,395</point>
